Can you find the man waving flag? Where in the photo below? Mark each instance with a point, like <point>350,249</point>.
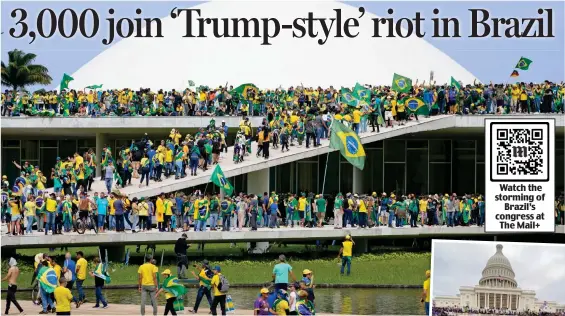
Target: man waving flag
<point>220,180</point>
<point>348,143</point>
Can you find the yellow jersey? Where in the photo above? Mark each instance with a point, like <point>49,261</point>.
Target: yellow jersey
<point>148,271</point>
<point>81,267</point>
<point>63,298</point>
<point>427,289</point>
<point>347,248</point>
<point>215,285</point>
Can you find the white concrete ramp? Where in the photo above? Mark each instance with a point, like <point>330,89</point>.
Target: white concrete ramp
<point>253,164</point>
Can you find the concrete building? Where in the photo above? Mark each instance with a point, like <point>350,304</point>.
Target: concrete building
<point>498,289</point>
<point>267,66</point>
<point>438,154</point>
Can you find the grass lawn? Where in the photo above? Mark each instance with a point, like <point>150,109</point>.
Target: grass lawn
<point>381,267</point>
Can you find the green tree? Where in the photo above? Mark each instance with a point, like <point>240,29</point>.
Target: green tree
<point>21,71</point>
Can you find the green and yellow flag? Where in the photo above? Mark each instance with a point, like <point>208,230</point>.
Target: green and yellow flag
<point>220,180</point>
<point>348,143</point>
<point>416,105</point>
<point>362,93</point>
<point>347,97</point>
<point>455,83</point>
<point>524,63</point>
<point>65,81</point>
<point>101,272</point>
<point>94,87</point>
<point>47,279</point>
<point>244,88</point>
<point>173,286</point>
<point>401,83</point>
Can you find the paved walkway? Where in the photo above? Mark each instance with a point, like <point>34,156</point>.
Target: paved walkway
<point>282,234</point>
<point>113,309</point>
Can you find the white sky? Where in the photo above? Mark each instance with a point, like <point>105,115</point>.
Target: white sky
<point>538,267</point>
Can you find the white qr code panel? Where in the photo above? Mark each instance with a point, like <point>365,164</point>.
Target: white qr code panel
<point>519,151</point>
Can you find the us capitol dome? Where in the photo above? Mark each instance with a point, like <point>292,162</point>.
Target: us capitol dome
<point>497,290</point>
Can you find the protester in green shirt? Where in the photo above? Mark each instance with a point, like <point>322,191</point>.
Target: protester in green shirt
<point>321,209</point>
<point>338,211</point>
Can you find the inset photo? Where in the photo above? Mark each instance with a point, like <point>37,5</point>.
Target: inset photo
<point>497,278</point>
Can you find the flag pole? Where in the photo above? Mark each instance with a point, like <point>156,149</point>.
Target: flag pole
<point>327,160</point>
<point>325,172</point>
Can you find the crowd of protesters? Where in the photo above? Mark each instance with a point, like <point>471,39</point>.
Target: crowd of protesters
<point>455,311</point>
<point>198,211</point>
<point>545,97</point>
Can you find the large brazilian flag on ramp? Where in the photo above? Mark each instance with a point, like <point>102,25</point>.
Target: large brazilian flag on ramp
<point>416,105</point>
<point>220,180</point>
<point>348,143</point>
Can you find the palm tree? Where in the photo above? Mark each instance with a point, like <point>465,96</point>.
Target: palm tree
<point>21,71</point>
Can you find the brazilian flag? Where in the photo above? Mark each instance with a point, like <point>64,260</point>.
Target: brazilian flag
<point>455,83</point>
<point>362,93</point>
<point>243,89</point>
<point>47,279</point>
<point>348,143</point>
<point>94,87</point>
<point>416,105</point>
<point>173,286</point>
<point>65,81</point>
<point>524,63</point>
<point>347,97</point>
<point>101,272</point>
<point>401,83</point>
<point>220,180</point>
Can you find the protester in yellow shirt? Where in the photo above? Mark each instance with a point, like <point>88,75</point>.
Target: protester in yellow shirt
<point>170,297</point>
<point>423,207</point>
<point>426,293</point>
<point>55,267</point>
<point>16,216</point>
<point>160,212</point>
<point>147,284</point>
<point>30,208</point>
<point>168,205</point>
<point>63,298</point>
<point>81,267</point>
<point>346,252</point>
<point>363,214</point>
<point>219,296</point>
<point>112,216</point>
<point>78,160</point>
<point>302,208</point>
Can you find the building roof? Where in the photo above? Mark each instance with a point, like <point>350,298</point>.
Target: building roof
<point>497,269</point>
<point>170,61</point>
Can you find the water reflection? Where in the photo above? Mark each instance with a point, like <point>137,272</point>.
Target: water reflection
<point>337,301</point>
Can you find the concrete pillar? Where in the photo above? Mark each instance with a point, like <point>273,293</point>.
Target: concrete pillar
<point>361,245</point>
<point>258,182</point>
<point>357,181</point>
<point>258,247</point>
<point>115,253</point>
<point>100,143</point>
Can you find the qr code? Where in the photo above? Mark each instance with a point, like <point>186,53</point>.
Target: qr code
<point>519,152</point>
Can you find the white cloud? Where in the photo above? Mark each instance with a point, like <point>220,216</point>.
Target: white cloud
<point>538,267</point>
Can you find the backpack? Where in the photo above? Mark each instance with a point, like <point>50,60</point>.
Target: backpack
<point>224,285</point>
